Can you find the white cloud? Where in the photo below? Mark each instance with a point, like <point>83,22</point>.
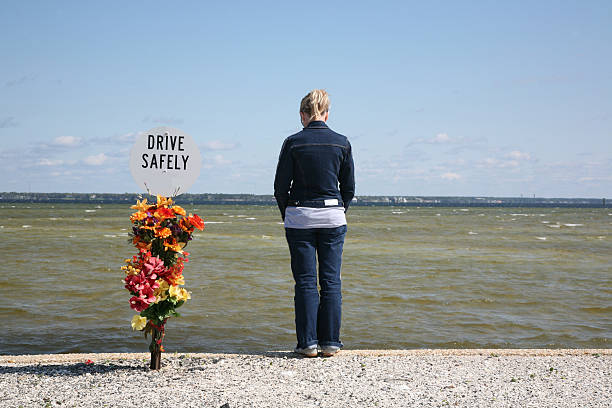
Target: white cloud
<point>444,139</point>
<point>596,179</point>
<point>219,160</point>
<point>67,141</point>
<point>514,160</point>
<point>49,162</point>
<point>219,145</point>
<point>61,173</point>
<point>450,176</point>
<point>518,155</point>
<point>440,138</point>
<point>489,161</point>
<point>96,160</point>
<point>126,138</point>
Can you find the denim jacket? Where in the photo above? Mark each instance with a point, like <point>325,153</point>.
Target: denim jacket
<point>312,165</point>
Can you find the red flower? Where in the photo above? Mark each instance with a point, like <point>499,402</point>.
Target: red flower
<point>163,213</point>
<point>143,300</point>
<point>196,221</point>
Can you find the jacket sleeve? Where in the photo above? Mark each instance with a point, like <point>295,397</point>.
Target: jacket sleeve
<point>347,178</point>
<point>283,178</point>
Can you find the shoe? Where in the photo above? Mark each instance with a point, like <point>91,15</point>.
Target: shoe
<point>307,352</point>
<point>328,351</point>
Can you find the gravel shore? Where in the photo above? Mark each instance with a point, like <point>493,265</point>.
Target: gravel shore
<point>353,378</point>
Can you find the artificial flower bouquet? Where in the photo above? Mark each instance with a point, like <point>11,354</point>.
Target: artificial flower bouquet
<point>154,276</point>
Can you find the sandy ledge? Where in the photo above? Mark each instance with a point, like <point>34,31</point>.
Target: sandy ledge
<point>354,378</point>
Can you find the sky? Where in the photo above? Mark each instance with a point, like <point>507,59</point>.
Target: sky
<point>438,98</point>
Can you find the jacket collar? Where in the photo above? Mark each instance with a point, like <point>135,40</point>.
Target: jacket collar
<point>316,124</point>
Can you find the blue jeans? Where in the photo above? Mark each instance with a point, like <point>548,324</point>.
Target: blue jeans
<point>317,316</point>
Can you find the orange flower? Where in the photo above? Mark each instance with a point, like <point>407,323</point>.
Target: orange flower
<point>163,213</point>
<point>140,244</point>
<point>141,205</point>
<point>185,225</point>
<point>196,221</point>
<point>163,233</point>
<point>173,245</point>
<point>163,201</point>
<point>178,210</point>
<point>138,216</point>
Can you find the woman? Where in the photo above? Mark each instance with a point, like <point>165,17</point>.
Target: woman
<point>313,186</point>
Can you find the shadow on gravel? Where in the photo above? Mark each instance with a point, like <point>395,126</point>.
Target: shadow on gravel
<point>72,370</point>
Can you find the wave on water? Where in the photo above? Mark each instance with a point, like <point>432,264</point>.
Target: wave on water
<point>422,284</point>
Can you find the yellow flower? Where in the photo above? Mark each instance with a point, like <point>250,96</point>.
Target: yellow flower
<point>161,293</point>
<point>174,291</point>
<point>179,293</point>
<point>141,205</point>
<point>180,281</point>
<point>184,295</point>
<point>163,201</point>
<point>138,322</point>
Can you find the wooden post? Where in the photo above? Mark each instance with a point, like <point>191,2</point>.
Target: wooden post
<point>155,347</point>
<point>155,360</point>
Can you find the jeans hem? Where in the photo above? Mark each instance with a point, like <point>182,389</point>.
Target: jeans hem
<point>331,343</point>
<point>308,344</point>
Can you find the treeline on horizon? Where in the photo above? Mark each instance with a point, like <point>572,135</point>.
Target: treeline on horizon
<point>266,199</point>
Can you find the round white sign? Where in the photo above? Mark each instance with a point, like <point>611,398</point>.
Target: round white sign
<point>165,161</point>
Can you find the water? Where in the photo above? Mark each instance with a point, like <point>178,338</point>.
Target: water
<point>412,278</point>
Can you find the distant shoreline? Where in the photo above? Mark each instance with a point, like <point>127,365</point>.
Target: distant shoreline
<point>264,199</point>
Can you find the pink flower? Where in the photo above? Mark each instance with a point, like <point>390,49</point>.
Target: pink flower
<point>143,289</point>
<point>154,268</point>
<point>136,283</point>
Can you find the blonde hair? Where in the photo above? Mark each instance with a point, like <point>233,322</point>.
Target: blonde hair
<point>315,104</point>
